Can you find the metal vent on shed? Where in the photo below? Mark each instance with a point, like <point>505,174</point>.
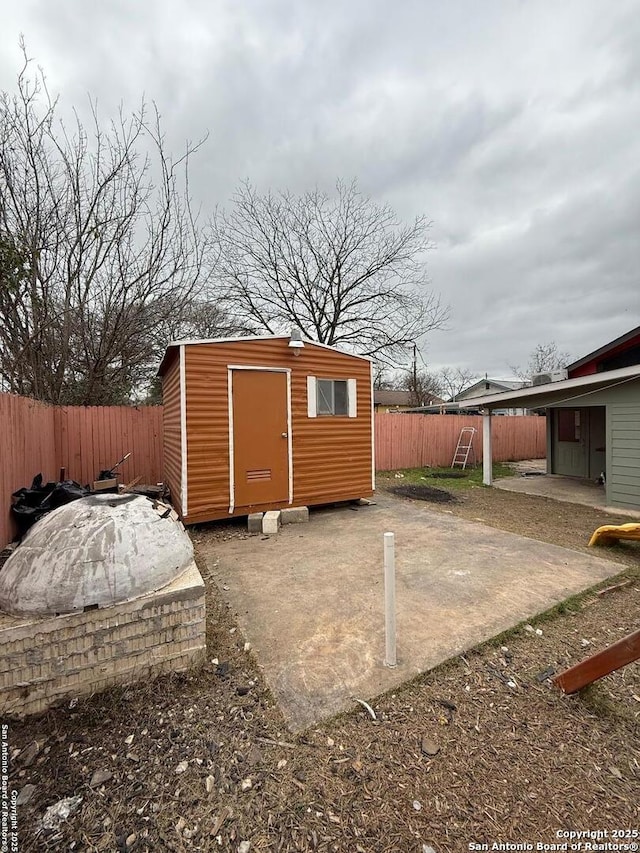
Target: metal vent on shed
<point>259,474</point>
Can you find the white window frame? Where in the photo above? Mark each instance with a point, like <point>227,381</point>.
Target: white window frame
<point>312,397</point>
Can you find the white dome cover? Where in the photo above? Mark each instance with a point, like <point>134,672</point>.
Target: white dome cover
<point>99,550</point>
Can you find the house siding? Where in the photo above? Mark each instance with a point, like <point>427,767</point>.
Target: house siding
<point>623,455</point>
<point>331,457</point>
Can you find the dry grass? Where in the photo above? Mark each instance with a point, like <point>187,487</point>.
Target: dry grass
<point>517,761</point>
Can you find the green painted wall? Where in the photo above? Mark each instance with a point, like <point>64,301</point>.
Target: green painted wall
<point>623,454</point>
<point>622,439</point>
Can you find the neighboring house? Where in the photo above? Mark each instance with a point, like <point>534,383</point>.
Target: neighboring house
<point>264,423</point>
<point>593,419</point>
<point>391,401</point>
<point>493,386</point>
<point>399,401</point>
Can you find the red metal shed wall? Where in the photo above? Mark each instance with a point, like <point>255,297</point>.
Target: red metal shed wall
<point>331,455</point>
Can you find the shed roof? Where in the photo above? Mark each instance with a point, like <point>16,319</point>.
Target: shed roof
<point>173,346</point>
<point>554,393</point>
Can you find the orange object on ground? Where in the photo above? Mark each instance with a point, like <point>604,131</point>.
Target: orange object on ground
<point>610,533</point>
<point>614,657</point>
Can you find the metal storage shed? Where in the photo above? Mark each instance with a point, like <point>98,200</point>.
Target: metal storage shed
<point>259,423</point>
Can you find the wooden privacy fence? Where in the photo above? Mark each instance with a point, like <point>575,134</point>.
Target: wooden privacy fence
<point>27,443</point>
<point>413,441</point>
<point>37,438</point>
<point>90,439</point>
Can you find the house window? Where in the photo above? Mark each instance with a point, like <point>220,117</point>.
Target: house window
<point>331,397</point>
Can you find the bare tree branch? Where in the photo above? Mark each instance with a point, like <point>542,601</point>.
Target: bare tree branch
<point>343,269</point>
<point>453,380</point>
<point>542,359</point>
<point>113,253</point>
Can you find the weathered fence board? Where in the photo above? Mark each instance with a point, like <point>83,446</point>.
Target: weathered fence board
<point>27,446</point>
<point>36,438</point>
<point>413,441</point>
<point>89,439</point>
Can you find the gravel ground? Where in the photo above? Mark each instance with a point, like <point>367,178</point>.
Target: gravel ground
<point>483,749</point>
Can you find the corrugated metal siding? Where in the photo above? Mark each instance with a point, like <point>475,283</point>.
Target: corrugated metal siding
<point>172,448</point>
<point>623,457</point>
<point>331,456</point>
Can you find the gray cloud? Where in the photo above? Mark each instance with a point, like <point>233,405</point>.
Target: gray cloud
<point>512,125</point>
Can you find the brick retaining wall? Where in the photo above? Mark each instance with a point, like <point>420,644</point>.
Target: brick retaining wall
<point>44,660</point>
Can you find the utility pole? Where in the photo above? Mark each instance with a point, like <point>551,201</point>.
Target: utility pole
<point>415,374</point>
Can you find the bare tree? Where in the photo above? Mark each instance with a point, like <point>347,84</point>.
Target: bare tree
<point>112,249</point>
<point>382,380</point>
<point>202,319</point>
<point>543,359</point>
<point>343,269</point>
<point>422,385</point>
<point>453,380</point>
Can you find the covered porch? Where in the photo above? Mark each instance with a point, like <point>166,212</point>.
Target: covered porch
<point>573,490</point>
<point>593,434</point>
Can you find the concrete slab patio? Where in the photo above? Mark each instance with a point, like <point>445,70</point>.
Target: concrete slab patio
<point>310,600</point>
<point>566,489</point>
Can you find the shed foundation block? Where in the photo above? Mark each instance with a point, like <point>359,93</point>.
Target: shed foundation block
<point>254,522</point>
<point>295,515</point>
<point>271,521</point>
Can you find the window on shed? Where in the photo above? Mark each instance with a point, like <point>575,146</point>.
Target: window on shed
<point>331,397</point>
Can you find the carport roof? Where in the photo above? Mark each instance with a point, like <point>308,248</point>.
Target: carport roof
<point>557,393</point>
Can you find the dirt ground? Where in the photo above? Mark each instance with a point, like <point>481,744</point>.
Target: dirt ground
<point>482,749</point>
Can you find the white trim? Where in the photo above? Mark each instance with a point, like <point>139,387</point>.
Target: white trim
<point>264,369</point>
<point>287,371</point>
<point>352,398</point>
<point>183,435</point>
<point>289,437</point>
<point>312,397</point>
<point>373,436</point>
<point>232,484</point>
<point>235,340</point>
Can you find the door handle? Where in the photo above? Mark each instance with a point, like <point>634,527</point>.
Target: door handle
<point>285,435</point>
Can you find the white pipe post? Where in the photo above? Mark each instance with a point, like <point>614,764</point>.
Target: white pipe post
<point>487,454</point>
<point>389,600</point>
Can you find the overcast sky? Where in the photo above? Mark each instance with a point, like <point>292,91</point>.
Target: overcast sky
<point>514,126</point>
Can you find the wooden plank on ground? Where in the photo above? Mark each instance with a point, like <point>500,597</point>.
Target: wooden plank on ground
<point>614,657</point>
<point>616,586</point>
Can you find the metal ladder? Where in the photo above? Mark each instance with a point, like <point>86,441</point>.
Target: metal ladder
<point>464,448</point>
